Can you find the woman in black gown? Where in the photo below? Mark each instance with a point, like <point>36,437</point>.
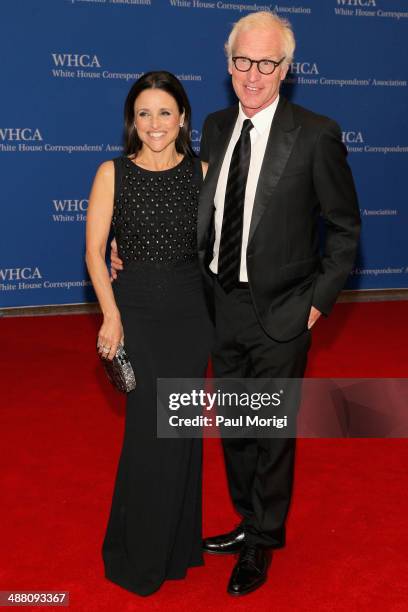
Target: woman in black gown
<point>149,197</point>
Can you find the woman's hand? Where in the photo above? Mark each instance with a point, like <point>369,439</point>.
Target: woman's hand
<point>204,166</point>
<point>110,336</point>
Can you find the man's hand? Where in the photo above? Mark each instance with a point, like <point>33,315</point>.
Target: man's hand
<point>116,263</point>
<point>313,316</point>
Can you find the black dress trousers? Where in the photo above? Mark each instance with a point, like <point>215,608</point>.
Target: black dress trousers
<point>259,470</point>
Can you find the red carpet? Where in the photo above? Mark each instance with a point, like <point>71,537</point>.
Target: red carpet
<point>61,424</point>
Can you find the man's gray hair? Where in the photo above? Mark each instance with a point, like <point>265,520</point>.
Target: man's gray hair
<point>263,20</point>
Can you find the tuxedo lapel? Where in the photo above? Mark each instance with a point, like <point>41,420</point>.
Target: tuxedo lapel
<point>282,138</point>
<point>218,148</point>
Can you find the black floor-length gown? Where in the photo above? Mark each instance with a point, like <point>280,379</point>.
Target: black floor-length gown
<point>154,528</point>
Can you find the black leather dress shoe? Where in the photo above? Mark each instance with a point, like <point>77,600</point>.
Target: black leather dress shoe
<point>250,570</point>
<point>225,544</point>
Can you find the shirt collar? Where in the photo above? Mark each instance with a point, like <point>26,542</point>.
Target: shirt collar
<point>261,121</point>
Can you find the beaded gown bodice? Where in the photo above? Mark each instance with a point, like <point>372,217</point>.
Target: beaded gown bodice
<point>155,212</point>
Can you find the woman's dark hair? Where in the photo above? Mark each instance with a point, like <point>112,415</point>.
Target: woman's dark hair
<point>160,79</point>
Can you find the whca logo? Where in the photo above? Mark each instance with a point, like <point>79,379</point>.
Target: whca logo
<point>195,136</point>
<point>71,205</point>
<point>352,137</point>
<point>365,3</point>
<point>9,134</point>
<point>12,274</point>
<point>304,68</point>
<point>76,60</point>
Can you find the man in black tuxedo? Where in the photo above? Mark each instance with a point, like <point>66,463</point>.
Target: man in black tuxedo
<point>274,169</point>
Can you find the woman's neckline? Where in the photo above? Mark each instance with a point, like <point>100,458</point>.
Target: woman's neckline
<point>156,171</point>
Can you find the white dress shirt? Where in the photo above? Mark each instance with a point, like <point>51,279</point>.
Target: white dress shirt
<point>259,137</point>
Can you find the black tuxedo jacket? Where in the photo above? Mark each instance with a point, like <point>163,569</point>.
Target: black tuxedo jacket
<point>304,175</point>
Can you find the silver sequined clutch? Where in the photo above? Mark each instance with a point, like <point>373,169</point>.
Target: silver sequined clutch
<point>120,371</point>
